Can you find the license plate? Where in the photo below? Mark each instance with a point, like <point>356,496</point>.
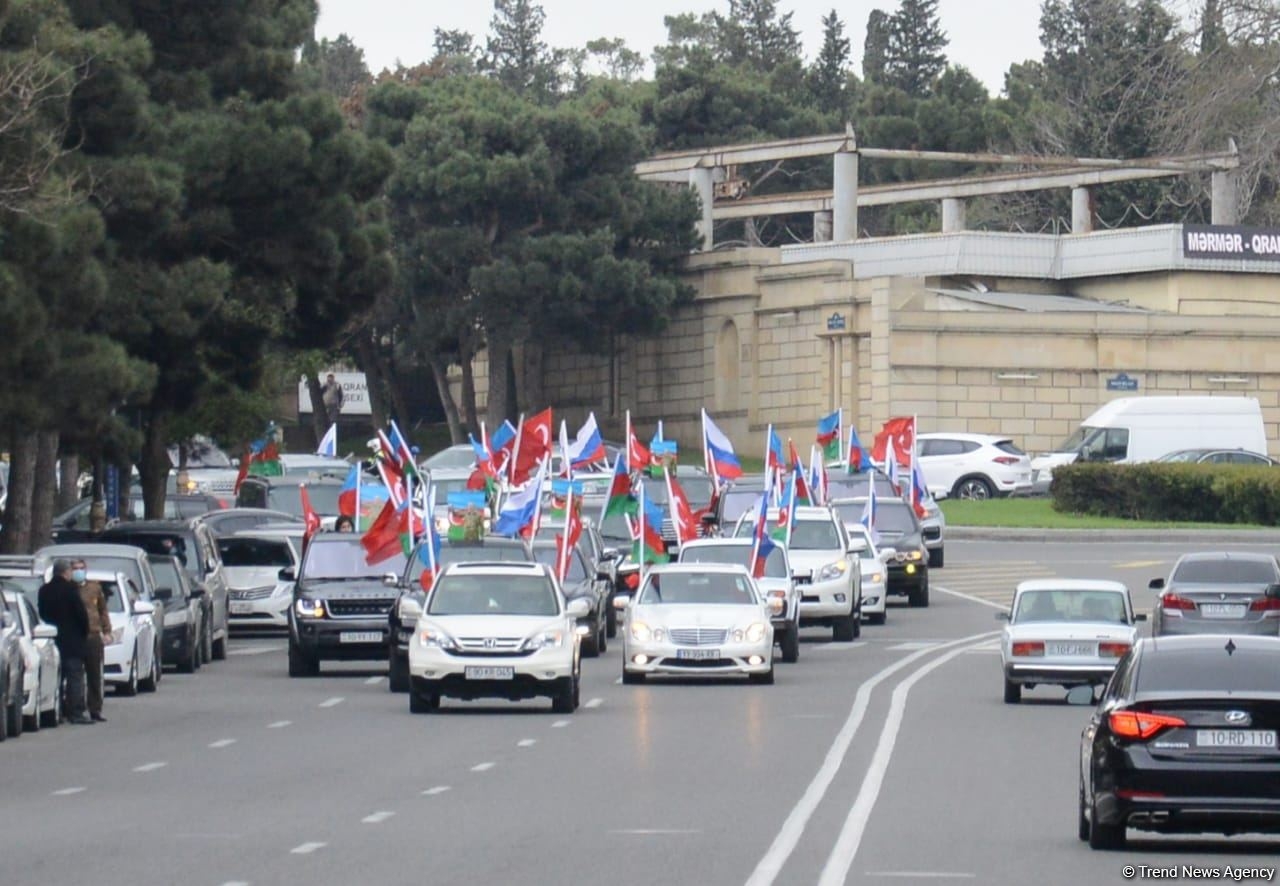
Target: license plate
<point>360,637</point>
<point>490,673</point>
<point>1222,610</point>
<point>1235,738</point>
<point>697,654</point>
<point>1070,649</point>
<point>241,607</point>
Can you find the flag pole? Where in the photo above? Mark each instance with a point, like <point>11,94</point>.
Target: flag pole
<point>671,505</point>
<point>359,472</point>
<point>515,451</point>
<point>839,432</point>
<point>706,455</point>
<point>768,468</point>
<point>640,540</point>
<point>626,446</point>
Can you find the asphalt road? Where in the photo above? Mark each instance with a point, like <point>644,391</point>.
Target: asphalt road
<point>890,760</point>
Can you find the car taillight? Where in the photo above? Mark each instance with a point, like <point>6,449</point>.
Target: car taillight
<point>1034,647</point>
<point>1006,460</point>
<point>632,580</point>
<point>1113,650</point>
<point>1141,724</point>
<point>1266,604</point>
<point>1173,601</point>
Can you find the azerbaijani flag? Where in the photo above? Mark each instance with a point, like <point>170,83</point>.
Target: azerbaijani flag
<point>429,552</point>
<point>500,445</point>
<point>859,459</point>
<point>776,459</point>
<point>564,491</point>
<point>349,494</point>
<point>787,508</point>
<point>830,436</point>
<point>650,544</point>
<point>619,500</point>
<point>403,451</point>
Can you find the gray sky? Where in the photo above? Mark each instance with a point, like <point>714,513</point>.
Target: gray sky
<point>986,35</point>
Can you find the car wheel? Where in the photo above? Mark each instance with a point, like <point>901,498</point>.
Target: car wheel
<point>611,621</point>
<point>192,661</point>
<point>918,597</point>
<point>50,719</point>
<point>765,679</point>
<point>4,723</point>
<point>936,558</point>
<point>791,644</point>
<point>152,681</point>
<point>398,670</point>
<point>632,678</point>
<point>423,702</point>
<point>566,700</point>
<point>130,686</point>
<point>1104,836</point>
<point>1082,826</point>
<point>843,629</point>
<point>32,723</point>
<point>206,644</point>
<point>591,646</point>
<point>220,649</point>
<point>301,664</point>
<point>603,641</point>
<point>876,618</point>
<point>1012,692</point>
<point>975,488</point>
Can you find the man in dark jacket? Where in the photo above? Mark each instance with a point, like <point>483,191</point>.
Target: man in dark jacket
<point>61,606</point>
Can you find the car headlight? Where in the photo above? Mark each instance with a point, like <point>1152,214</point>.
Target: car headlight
<point>875,578</point>
<point>308,608</point>
<point>433,636</point>
<point>832,570</point>
<point>545,640</point>
<point>755,632</point>
<point>777,602</point>
<point>409,608</point>
<point>640,632</point>
<point>915,556</point>
<point>117,636</point>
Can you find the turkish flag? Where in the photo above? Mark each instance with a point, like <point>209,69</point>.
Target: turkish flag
<point>309,515</point>
<point>903,431</point>
<point>534,446</point>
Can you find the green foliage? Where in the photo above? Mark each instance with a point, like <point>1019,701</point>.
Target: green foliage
<point>916,50</point>
<point>829,74</point>
<point>336,66</point>
<point>1170,492</point>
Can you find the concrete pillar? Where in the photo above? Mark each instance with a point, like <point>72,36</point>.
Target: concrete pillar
<point>844,220</point>
<point>1081,211</point>
<point>822,226</point>
<point>1225,198</point>
<point>953,215</point>
<point>702,180</point>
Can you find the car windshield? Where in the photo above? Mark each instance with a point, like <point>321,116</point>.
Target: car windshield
<point>324,499</point>
<point>696,489</point>
<point>1182,455</point>
<point>255,552</point>
<point>815,535</point>
<point>546,555</point>
<point>343,558</point>
<point>111,590</point>
<point>736,555</point>
<point>163,544</point>
<point>1078,439</point>
<point>166,574</point>
<point>493,595</point>
<point>1071,605</point>
<point>470,553</point>
<point>453,457</point>
<point>232,524</point>
<point>1226,572</point>
<point>697,588</point>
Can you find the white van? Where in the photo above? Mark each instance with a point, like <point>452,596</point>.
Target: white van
<point>1134,429</point>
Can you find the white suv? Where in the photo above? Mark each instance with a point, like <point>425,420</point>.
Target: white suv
<point>977,466</point>
<point>496,630</point>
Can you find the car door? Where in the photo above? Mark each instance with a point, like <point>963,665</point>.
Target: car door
<point>145,631</point>
<point>48,658</point>
<point>941,462</point>
<point>215,578</point>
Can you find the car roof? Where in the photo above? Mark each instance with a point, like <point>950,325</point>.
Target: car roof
<point>230,513</point>
<point>1071,584</point>
<point>147,527</point>
<point>726,568</point>
<point>738,541</point>
<point>91,549</point>
<point>298,479</point>
<point>271,531</point>
<point>960,435</point>
<point>488,567</point>
<point>1178,643</point>
<point>1201,556</point>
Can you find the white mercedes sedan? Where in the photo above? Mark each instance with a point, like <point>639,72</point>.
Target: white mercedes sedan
<point>698,619</point>
<point>1065,632</point>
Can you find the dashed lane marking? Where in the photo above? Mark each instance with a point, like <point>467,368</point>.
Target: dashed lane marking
<point>594,703</point>
<point>222,743</point>
<point>435,791</point>
<point>307,848</point>
<point>1138,564</point>
<point>279,724</point>
<point>374,681</point>
<point>377,817</point>
<point>923,875</point>
<point>256,650</point>
<point>67,792</point>
<point>911,647</point>
<point>332,702</point>
<point>559,724</point>
<point>150,767</point>
<point>526,742</point>
<point>482,767</point>
<point>970,597</point>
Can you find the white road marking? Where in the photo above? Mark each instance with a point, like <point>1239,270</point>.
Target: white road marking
<point>1137,564</point>
<point>594,703</point>
<point>150,767</point>
<point>617,682</point>
<point>307,848</point>
<point>836,870</point>
<point>784,844</point>
<point>654,832</point>
<point>377,817</point>
<point>560,724</point>
<point>438,789</point>
<point>809,716</point>
<point>923,875</point>
<point>222,743</point>
<point>912,646</point>
<point>374,681</point>
<point>482,767</point>
<point>279,724</point>
<point>820,646</point>
<point>237,883</point>
<point>256,650</point>
<point>67,792</point>
<point>973,599</point>
<point>331,702</point>
<point>526,742</point>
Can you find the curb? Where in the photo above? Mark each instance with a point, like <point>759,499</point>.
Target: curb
<point>1200,536</point>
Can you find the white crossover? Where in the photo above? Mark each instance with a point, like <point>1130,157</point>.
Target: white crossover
<point>1065,632</point>
<point>42,686</point>
<point>261,565</point>
<point>130,661</point>
<point>698,619</point>
<point>496,630</point>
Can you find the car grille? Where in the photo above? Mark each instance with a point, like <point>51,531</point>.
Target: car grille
<point>805,579</point>
<point>490,647</point>
<point>697,664</point>
<point>252,594</point>
<point>218,487</point>
<point>698,636</point>
<point>359,608</point>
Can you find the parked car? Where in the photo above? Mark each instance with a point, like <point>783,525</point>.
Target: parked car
<point>13,671</point>
<point>1216,457</point>
<point>42,663</point>
<point>188,638</point>
<point>1065,632</point>
<point>1226,592</point>
<point>902,547</point>
<point>1184,741</point>
<point>699,619</point>
<point>72,525</point>
<point>978,466</point>
<point>581,582</point>
<point>108,558</point>
<point>194,546</point>
<point>253,560</point>
<point>131,659</point>
<point>496,630</point>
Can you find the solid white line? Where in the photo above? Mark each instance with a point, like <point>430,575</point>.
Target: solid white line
<point>279,724</point>
<point>594,703</point>
<point>331,702</point>
<point>150,767</point>
<point>816,647</point>
<point>237,883</point>
<point>653,832</point>
<point>923,875</point>
<point>438,789</point>
<point>374,681</point>
<point>911,646</point>
<point>256,650</point>
<point>836,870</point>
<point>526,742</point>
<point>307,848</point>
<point>222,743</point>
<point>377,817</point>
<point>793,828</point>
<point>973,599</point>
<point>559,724</point>
<point>67,792</point>
<point>482,767</point>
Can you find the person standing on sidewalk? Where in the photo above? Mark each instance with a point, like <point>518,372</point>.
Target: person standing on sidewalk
<point>60,605</point>
<point>95,604</point>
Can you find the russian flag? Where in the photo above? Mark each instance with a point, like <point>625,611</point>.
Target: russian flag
<point>869,509</point>
<point>349,494</point>
<point>724,461</point>
<point>763,543</point>
<point>588,447</point>
<point>521,509</point>
<point>919,492</point>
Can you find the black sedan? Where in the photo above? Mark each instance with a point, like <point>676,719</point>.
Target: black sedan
<point>1184,741</point>
<point>582,581</point>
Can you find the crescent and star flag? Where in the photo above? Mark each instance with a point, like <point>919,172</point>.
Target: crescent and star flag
<point>902,431</point>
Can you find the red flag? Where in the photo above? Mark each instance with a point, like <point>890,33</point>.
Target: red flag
<point>244,468</point>
<point>686,525</point>
<point>903,431</point>
<point>638,456</point>
<point>534,446</point>
<point>309,515</point>
<point>381,540</point>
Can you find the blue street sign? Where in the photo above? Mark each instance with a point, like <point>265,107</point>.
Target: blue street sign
<point>1122,382</point>
<point>111,492</point>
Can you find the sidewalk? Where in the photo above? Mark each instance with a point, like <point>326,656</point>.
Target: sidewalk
<point>1140,536</point>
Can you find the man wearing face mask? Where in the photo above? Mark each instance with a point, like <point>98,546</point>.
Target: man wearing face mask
<point>95,603</point>
<point>60,605</point>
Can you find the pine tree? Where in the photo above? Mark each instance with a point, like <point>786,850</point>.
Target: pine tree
<point>875,48</point>
<point>916,52</point>
<point>830,71</point>
<point>515,52</point>
<point>338,65</point>
<point>755,35</point>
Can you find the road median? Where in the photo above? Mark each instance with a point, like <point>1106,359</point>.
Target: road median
<point>1207,535</point>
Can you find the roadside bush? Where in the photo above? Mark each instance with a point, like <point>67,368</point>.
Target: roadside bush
<point>1173,492</point>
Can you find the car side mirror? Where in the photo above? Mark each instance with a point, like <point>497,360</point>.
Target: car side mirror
<point>577,608</point>
<point>1080,695</point>
<point>1156,584</point>
<point>1139,616</point>
<point>620,602</point>
<point>163,594</point>
<point>610,554</point>
<point>142,607</point>
<point>288,573</point>
<point>390,579</point>
<point>44,632</point>
<point>1002,616</point>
